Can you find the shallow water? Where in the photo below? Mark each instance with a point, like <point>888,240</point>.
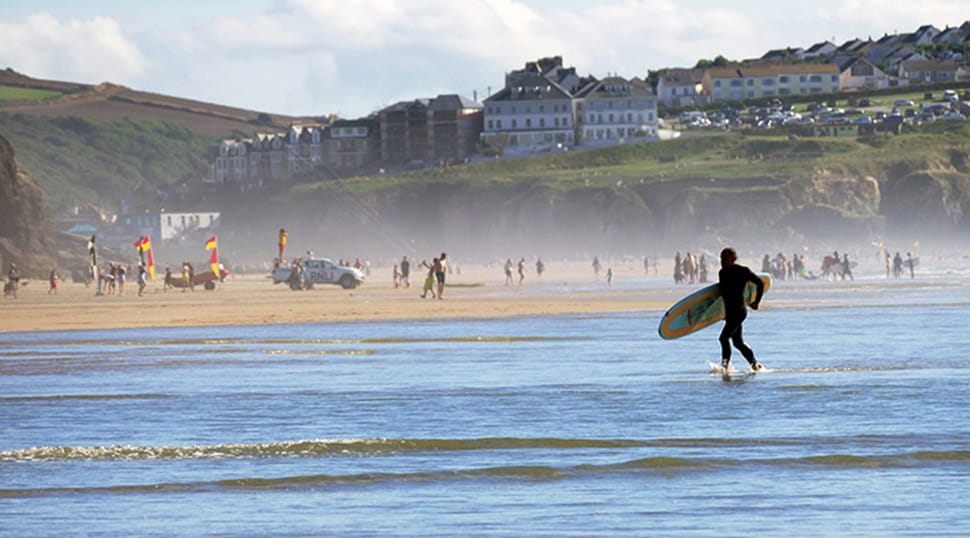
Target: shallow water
<point>557,425</point>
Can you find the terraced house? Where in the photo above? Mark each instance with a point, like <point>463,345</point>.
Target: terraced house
<point>769,80</point>
<point>533,114</point>
<point>616,110</point>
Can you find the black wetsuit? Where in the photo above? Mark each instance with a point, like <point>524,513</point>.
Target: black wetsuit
<point>732,281</point>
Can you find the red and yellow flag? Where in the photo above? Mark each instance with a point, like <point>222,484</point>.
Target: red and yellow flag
<point>213,245</point>
<point>144,246</point>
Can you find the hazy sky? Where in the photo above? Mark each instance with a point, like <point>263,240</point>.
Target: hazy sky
<point>351,57</point>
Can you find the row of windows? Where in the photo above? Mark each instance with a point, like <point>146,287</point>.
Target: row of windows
<point>598,118</point>
<point>557,122</point>
<point>766,93</point>
<point>783,79</point>
<point>495,109</point>
<point>608,134</point>
<point>538,138</point>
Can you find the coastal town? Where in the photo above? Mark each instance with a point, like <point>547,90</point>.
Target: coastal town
<point>546,106</point>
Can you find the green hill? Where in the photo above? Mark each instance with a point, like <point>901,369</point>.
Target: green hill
<point>77,160</point>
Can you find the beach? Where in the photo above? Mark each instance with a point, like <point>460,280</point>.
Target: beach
<point>477,291</point>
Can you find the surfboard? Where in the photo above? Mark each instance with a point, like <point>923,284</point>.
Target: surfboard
<point>701,309</point>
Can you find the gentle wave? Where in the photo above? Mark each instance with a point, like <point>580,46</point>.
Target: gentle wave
<point>63,397</point>
<point>303,341</point>
<point>300,449</point>
<point>379,446</point>
<point>664,465</point>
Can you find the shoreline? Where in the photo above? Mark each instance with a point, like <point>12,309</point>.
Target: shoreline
<point>254,300</point>
<point>477,293</point>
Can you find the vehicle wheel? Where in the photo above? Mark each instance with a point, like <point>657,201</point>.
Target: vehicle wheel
<point>348,282</point>
<point>210,285</point>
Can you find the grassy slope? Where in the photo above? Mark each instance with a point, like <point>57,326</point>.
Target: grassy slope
<point>720,157</point>
<point>77,160</point>
<point>12,93</point>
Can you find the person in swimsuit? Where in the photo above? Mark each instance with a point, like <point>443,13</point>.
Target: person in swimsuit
<point>732,280</point>
<point>440,274</point>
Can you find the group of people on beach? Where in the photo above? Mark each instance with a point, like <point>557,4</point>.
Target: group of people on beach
<point>434,280</point>
<point>688,269</point>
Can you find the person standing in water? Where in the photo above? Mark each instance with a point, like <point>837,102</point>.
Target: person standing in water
<point>732,279</point>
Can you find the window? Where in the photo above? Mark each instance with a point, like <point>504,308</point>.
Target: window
<point>737,83</point>
<point>767,82</point>
<point>489,124</point>
<point>750,82</point>
<point>542,122</point>
<point>835,78</point>
<point>528,122</point>
<point>542,108</point>
<point>498,124</point>
<point>783,79</point>
<point>514,123</point>
<point>717,84</point>
<point>815,78</point>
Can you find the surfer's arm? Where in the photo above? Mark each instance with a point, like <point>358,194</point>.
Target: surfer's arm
<point>760,290</point>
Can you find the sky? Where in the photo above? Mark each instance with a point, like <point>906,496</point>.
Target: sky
<point>353,57</point>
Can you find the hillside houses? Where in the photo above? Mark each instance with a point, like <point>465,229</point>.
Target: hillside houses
<point>546,106</point>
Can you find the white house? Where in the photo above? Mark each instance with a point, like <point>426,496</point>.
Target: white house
<point>860,73</point>
<point>615,111</point>
<point>169,226</point>
<point>533,114</point>
<point>681,87</point>
<point>822,49</point>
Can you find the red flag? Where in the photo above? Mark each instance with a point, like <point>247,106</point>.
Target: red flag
<point>146,245</point>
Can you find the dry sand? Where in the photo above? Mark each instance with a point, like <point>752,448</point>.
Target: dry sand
<point>478,292</point>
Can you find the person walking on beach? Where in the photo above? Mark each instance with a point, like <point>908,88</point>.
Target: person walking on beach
<point>53,280</point>
<point>13,281</point>
<point>540,267</point>
<point>282,243</point>
<point>429,280</point>
<point>440,274</point>
<point>912,264</point>
<point>142,278</point>
<point>521,270</point>
<point>732,279</point>
<point>846,267</point>
<point>508,271</point>
<point>405,272</point>
<point>596,267</point>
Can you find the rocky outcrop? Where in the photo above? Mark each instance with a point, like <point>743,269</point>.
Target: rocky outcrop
<point>24,219</point>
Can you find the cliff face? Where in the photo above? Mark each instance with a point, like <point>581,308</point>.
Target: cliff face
<point>496,219</point>
<point>24,219</point>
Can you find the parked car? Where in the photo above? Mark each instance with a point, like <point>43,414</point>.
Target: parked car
<point>865,101</point>
<point>950,95</point>
<point>320,271</point>
<point>903,102</point>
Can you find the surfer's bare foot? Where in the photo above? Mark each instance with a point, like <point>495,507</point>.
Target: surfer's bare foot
<point>725,363</point>
<point>757,367</point>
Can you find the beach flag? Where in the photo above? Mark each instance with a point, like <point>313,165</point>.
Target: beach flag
<point>213,245</point>
<point>144,246</point>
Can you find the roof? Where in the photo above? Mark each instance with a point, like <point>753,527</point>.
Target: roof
<point>614,87</point>
<point>819,46</point>
<point>530,88</point>
<point>772,70</point>
<point>929,65</point>
<point>453,102</point>
<point>404,105</point>
<point>683,77</point>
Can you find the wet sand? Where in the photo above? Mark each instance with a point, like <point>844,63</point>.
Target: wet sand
<point>478,292</point>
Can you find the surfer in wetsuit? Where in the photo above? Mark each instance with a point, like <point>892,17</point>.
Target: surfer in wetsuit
<point>732,280</point>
